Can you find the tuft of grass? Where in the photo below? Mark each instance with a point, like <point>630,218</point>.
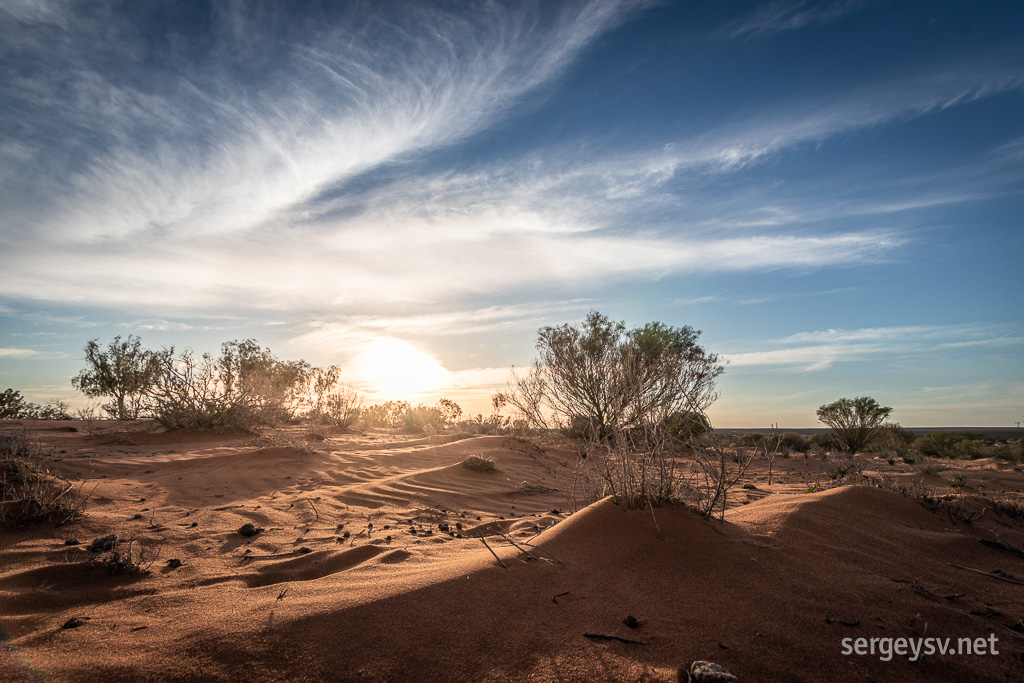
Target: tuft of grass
<point>480,463</point>
<point>958,481</point>
<point>30,494</point>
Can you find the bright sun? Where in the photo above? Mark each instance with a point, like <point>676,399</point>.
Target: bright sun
<point>395,369</point>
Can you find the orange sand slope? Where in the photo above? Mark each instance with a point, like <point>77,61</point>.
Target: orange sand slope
<point>771,593</point>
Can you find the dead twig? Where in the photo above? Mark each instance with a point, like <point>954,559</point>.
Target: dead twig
<point>537,547</point>
<point>984,573</point>
<point>650,505</point>
<point>484,541</point>
<point>554,598</point>
<point>601,636</point>
<point>517,546</point>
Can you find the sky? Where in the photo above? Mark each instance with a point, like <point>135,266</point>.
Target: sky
<point>832,192</point>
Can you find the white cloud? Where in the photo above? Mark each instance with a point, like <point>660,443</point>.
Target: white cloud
<point>820,349</point>
<point>779,16</point>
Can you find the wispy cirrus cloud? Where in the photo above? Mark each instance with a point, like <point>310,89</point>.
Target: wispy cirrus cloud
<point>820,349</point>
<point>211,145</point>
<point>779,16</point>
<point>227,186</point>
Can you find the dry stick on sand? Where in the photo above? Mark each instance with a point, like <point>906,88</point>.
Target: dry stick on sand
<point>984,573</point>
<point>519,547</point>
<point>484,541</point>
<point>651,505</point>
<point>537,547</point>
<point>601,636</point>
<point>81,504</point>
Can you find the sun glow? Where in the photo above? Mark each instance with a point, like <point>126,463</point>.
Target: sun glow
<point>395,369</point>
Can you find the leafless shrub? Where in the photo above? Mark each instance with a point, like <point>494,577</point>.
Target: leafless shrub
<point>839,468</point>
<point>128,559</point>
<point>480,463</point>
<point>718,469</point>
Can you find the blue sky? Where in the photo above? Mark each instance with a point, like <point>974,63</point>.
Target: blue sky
<point>831,191</point>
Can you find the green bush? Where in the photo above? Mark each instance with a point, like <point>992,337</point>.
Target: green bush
<point>790,441</point>
<point>955,445</point>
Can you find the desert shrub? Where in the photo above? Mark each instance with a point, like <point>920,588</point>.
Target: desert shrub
<point>29,494</point>
<point>823,443</point>
<point>635,399</point>
<point>840,468</point>
<point>928,467</point>
<point>790,441</point>
<point>892,441</point>
<point>685,424</point>
<point>12,404</point>
<point>854,423</point>
<point>751,439</point>
<point>613,379</point>
<point>419,419</point>
<point>958,481</point>
<point>492,424</point>
<point>127,558</point>
<point>343,406</point>
<point>480,463</point>
<point>949,445</point>
<point>968,446</point>
<point>245,388</point>
<point>14,407</point>
<point>390,415</point>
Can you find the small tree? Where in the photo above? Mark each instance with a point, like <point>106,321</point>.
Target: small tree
<point>854,423</point>
<point>124,371</point>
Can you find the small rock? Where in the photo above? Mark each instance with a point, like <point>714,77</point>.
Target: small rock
<point>346,534</point>
<point>103,543</point>
<point>303,550</point>
<point>443,526</point>
<point>71,541</point>
<point>709,672</point>
<point>193,524</point>
<point>248,529</point>
<point>174,563</point>
<point>750,487</point>
<point>137,515</point>
<point>631,621</point>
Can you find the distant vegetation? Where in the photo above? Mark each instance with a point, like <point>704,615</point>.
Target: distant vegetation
<point>246,387</point>
<point>13,407</point>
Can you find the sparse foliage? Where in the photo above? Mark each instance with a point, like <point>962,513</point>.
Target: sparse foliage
<point>601,378</point>
<point>124,371</point>
<point>29,494</point>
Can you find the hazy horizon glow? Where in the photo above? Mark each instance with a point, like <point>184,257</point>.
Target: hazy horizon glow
<point>831,191</point>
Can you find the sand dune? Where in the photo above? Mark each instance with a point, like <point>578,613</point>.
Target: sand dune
<point>320,594</point>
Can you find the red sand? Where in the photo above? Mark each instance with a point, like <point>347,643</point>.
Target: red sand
<point>770,594</point>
